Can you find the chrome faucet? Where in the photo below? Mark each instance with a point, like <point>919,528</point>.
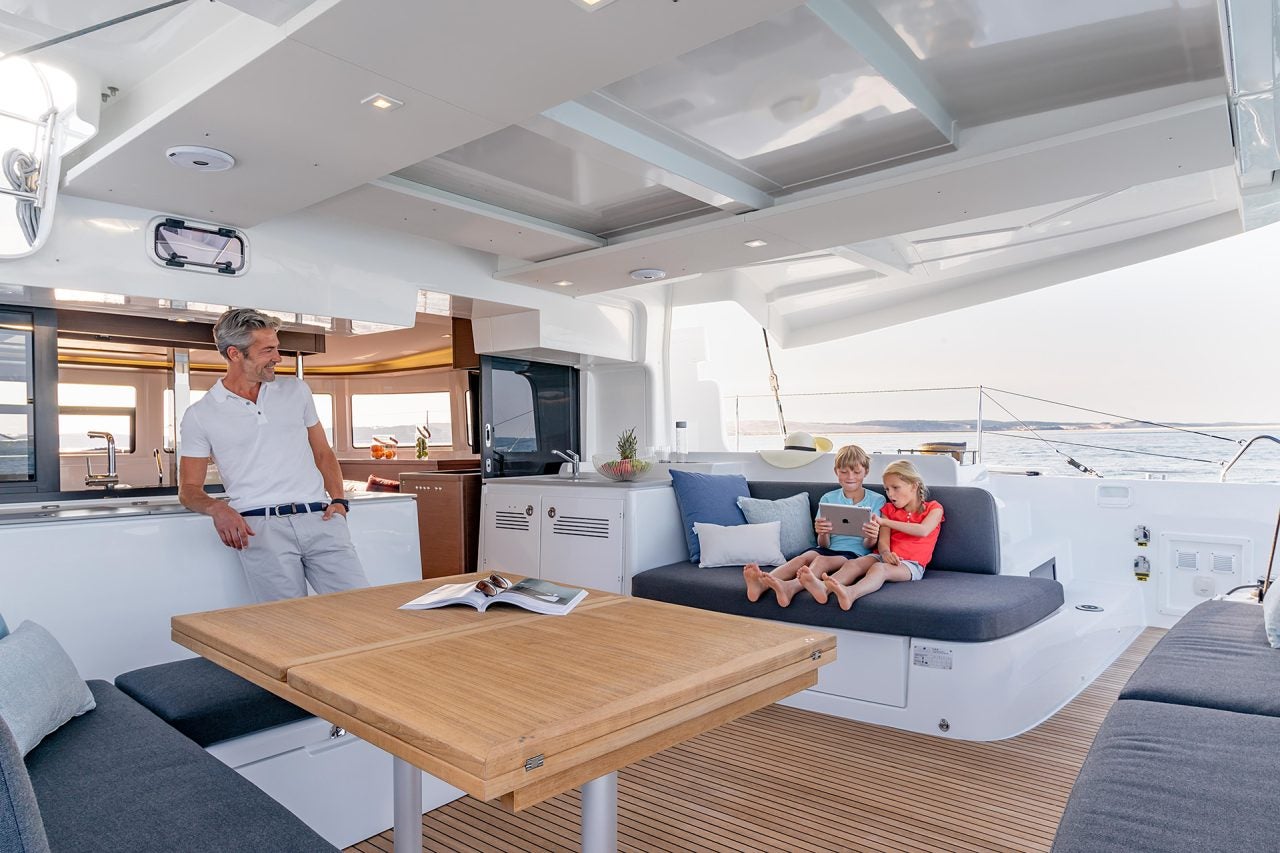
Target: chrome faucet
<point>570,457</point>
<point>109,479</point>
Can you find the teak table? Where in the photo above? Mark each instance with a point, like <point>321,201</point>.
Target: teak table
<point>510,704</point>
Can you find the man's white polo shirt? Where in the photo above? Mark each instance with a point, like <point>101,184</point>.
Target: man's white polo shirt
<point>261,448</point>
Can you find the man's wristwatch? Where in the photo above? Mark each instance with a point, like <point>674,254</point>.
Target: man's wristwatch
<point>343,502</point>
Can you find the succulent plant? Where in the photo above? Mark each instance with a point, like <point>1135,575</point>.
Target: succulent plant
<point>627,444</point>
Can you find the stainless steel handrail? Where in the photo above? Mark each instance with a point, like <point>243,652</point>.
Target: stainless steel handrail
<point>1222,478</point>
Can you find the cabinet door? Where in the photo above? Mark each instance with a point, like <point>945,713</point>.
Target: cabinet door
<point>510,526</point>
<point>581,541</point>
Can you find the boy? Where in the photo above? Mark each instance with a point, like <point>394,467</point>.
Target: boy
<point>833,551</point>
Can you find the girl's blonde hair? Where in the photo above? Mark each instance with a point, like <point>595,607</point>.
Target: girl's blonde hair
<point>904,469</point>
<point>852,456</point>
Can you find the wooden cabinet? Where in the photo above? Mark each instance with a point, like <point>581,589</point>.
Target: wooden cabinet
<point>448,520</point>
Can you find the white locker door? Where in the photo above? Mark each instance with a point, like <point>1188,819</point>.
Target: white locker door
<point>582,541</point>
<point>510,534</point>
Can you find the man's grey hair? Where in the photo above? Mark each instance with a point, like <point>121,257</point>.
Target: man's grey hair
<point>235,328</point>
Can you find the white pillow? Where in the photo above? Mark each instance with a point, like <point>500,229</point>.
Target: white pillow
<point>739,544</point>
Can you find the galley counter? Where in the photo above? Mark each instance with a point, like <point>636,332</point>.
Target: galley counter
<point>105,575</point>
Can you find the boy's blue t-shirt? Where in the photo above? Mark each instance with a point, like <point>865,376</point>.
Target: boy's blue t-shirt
<point>871,500</point>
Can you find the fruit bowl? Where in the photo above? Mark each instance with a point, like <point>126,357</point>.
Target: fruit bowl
<point>619,470</point>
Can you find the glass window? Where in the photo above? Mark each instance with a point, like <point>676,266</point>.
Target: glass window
<point>514,427</point>
<point>17,411</point>
<point>178,244</point>
<point>170,419</point>
<point>324,408</point>
<point>84,408</point>
<point>400,415</point>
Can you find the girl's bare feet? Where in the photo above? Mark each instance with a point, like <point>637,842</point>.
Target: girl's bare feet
<point>810,582</point>
<point>783,590</point>
<point>755,581</point>
<point>840,591</point>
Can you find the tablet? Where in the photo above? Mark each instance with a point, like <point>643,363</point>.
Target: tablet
<point>845,520</point>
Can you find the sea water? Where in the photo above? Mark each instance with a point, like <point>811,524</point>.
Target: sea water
<point>1131,453</point>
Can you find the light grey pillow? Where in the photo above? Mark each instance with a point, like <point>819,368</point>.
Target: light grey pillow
<point>792,513</point>
<point>39,686</point>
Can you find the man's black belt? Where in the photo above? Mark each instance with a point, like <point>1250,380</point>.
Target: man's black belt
<point>286,509</point>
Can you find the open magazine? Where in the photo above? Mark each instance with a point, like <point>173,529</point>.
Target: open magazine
<point>531,593</point>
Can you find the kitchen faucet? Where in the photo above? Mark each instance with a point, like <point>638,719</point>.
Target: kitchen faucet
<point>109,479</point>
<point>570,457</point>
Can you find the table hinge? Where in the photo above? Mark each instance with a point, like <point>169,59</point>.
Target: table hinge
<point>816,654</point>
<point>531,764</point>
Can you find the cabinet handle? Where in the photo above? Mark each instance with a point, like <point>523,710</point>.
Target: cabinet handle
<point>551,512</point>
<point>488,435</point>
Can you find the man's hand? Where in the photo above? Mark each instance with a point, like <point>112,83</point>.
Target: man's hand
<point>332,508</point>
<point>231,526</point>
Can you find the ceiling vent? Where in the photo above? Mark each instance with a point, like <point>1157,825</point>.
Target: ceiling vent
<point>648,275</point>
<point>200,158</point>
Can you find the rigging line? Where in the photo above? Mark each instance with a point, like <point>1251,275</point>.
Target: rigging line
<point>773,383</point>
<point>93,28</point>
<point>1114,449</point>
<point>1085,469</point>
<point>1113,415</point>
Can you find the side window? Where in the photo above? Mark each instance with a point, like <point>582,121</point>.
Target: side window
<point>324,408</point>
<point>84,408</point>
<point>170,420</point>
<point>400,415</point>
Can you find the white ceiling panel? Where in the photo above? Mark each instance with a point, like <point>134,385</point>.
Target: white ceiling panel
<point>293,120</point>
<point>389,206</point>
<point>512,59</point>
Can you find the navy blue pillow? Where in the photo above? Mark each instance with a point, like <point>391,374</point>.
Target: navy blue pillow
<point>711,498</point>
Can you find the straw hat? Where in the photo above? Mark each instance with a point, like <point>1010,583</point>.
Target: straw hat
<point>800,448</point>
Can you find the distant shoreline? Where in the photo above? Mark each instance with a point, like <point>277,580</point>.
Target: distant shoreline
<point>765,428</point>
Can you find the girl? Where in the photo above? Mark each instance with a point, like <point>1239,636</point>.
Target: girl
<point>908,533</point>
<point>833,550</point>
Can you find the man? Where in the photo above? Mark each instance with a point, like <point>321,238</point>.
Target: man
<point>276,465</point>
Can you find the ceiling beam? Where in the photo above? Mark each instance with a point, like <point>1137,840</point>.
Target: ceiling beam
<point>679,170</point>
<point>870,35</point>
<point>879,255</point>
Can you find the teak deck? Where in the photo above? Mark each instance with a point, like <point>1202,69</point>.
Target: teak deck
<point>783,780</point>
<point>510,704</point>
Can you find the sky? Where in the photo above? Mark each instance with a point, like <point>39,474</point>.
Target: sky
<point>1192,337</point>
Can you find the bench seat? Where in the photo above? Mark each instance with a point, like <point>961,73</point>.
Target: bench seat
<point>1217,656</point>
<point>1167,778</point>
<point>118,778</point>
<point>944,605</point>
<point>206,702</point>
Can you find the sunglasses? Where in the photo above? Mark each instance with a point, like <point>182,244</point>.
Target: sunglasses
<point>493,585</point>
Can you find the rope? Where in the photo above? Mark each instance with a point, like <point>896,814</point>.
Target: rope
<point>1116,449</point>
<point>854,393</point>
<point>22,172</point>
<point>1109,414</point>
<point>1070,461</point>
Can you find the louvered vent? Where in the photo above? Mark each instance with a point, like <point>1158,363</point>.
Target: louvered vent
<point>1224,563</point>
<point>1187,559</point>
<point>578,525</point>
<point>505,519</point>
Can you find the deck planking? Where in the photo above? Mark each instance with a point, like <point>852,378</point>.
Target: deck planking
<point>790,781</point>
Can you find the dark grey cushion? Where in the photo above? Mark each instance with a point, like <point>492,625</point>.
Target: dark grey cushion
<point>1166,778</point>
<point>206,702</point>
<point>118,778</point>
<point>1217,656</point>
<point>958,606</point>
<point>970,536</point>
<point>21,830</point>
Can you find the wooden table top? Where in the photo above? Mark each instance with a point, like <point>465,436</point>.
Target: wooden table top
<point>509,703</point>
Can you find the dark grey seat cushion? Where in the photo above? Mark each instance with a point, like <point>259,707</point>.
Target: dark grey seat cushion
<point>206,702</point>
<point>970,536</point>
<point>1216,656</point>
<point>1164,778</point>
<point>118,778</point>
<point>21,830</point>
<point>958,606</point>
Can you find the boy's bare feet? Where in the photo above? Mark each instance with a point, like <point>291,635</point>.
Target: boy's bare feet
<point>811,582</point>
<point>755,581</point>
<point>782,590</point>
<point>841,592</point>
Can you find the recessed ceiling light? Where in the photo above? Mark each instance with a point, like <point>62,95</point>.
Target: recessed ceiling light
<point>563,283</point>
<point>755,244</point>
<point>446,335</point>
<point>200,158</point>
<point>592,5</point>
<point>382,102</point>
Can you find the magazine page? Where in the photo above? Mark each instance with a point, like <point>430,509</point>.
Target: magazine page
<point>450,593</point>
<point>543,596</point>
